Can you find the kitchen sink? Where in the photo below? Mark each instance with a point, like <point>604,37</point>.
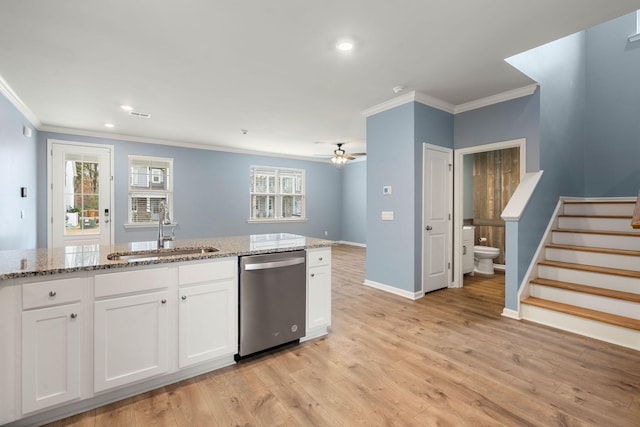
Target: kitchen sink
<point>150,255</point>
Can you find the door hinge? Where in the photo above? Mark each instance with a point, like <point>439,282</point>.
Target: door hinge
<point>111,177</point>
<point>51,152</point>
<point>449,217</point>
<point>448,266</point>
<point>52,185</point>
<point>51,220</point>
<point>450,166</point>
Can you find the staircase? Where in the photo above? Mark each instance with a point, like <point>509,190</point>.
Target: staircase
<point>588,281</point>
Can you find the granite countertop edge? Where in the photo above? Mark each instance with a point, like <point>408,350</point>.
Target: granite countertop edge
<point>227,247</point>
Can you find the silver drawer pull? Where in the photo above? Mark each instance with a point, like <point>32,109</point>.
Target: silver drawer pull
<point>74,315</point>
<point>184,297</point>
<point>52,293</point>
<point>164,301</point>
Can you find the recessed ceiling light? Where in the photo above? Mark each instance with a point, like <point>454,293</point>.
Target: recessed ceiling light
<point>109,125</point>
<point>126,107</point>
<point>345,45</point>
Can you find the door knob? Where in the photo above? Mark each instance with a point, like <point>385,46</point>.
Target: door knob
<point>428,228</point>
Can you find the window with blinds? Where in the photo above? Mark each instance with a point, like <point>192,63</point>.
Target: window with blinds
<point>276,194</point>
<point>150,182</point>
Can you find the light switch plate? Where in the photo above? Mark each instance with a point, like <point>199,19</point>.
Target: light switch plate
<point>386,190</point>
<point>387,215</point>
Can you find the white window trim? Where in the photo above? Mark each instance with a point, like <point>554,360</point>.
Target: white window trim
<point>168,191</point>
<point>278,195</point>
<point>635,37</point>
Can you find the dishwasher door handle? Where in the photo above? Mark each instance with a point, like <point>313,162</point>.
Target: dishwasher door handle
<point>274,264</point>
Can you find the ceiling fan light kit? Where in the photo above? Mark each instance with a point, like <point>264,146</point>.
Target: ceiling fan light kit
<point>341,157</point>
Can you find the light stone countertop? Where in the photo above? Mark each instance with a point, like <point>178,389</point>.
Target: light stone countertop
<point>43,262</point>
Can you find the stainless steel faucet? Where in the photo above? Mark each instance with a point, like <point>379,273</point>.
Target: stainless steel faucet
<point>162,219</point>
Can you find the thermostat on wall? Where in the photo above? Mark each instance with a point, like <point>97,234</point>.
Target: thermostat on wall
<point>386,190</point>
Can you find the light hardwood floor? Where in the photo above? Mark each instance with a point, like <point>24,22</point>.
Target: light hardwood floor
<point>448,359</point>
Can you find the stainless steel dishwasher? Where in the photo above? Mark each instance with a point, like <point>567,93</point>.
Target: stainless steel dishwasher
<point>272,300</point>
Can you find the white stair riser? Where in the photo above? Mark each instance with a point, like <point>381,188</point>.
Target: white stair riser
<point>599,280</point>
<point>593,302</point>
<point>613,209</point>
<point>608,224</point>
<point>625,262</point>
<point>597,240</point>
<point>601,331</point>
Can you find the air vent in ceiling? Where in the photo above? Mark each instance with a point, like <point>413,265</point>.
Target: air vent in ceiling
<point>139,114</point>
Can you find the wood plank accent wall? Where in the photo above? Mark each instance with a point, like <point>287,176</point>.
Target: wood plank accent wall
<point>496,174</point>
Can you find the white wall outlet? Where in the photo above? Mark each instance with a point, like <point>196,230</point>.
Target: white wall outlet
<point>27,132</point>
<point>387,215</point>
<point>386,190</point>
<point>326,233</point>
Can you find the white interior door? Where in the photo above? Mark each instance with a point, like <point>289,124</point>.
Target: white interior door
<point>80,201</point>
<point>436,213</point>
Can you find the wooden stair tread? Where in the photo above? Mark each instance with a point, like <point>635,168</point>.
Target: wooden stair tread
<point>605,232</point>
<point>593,290</point>
<point>612,319</point>
<point>594,249</point>
<point>591,268</point>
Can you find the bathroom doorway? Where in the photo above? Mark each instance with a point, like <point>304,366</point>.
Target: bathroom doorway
<point>485,178</point>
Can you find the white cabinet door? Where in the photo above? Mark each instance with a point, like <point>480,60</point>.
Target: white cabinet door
<point>319,297</point>
<point>130,341</point>
<point>50,356</point>
<point>208,316</point>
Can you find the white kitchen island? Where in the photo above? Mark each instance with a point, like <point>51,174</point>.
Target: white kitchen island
<point>80,330</point>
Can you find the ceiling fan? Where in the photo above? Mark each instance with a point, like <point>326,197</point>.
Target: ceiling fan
<point>340,156</point>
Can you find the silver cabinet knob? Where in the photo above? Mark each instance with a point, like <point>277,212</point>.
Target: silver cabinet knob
<point>184,297</point>
<point>52,293</point>
<point>164,301</point>
<point>320,259</point>
<point>313,275</point>
<point>74,315</point>
<point>428,228</point>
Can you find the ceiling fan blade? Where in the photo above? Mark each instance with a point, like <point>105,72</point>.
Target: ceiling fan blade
<point>357,154</point>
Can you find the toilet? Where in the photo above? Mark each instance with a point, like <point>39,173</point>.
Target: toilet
<point>483,257</point>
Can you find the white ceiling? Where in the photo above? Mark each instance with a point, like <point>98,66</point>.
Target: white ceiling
<point>207,69</point>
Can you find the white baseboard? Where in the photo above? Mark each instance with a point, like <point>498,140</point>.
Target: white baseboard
<point>344,242</point>
<point>511,314</point>
<point>393,290</point>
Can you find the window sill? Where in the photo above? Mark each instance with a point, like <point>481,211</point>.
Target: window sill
<point>147,225</point>
<point>634,38</point>
<point>275,220</point>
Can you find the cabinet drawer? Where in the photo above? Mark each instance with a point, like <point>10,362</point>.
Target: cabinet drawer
<point>208,271</point>
<point>52,292</point>
<point>131,281</point>
<point>318,257</point>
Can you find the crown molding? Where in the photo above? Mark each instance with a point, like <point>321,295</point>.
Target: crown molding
<point>496,99</point>
<point>15,100</point>
<point>447,107</point>
<point>412,96</point>
<point>431,101</point>
<point>199,146</point>
<point>392,103</point>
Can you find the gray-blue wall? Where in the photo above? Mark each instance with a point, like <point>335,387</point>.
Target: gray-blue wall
<point>211,192</point>
<point>354,202</point>
<point>506,121</point>
<point>394,157</point>
<point>390,158</point>
<point>17,169</point>
<point>612,137</point>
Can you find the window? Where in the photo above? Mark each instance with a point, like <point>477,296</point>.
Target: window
<point>276,194</point>
<point>150,182</point>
